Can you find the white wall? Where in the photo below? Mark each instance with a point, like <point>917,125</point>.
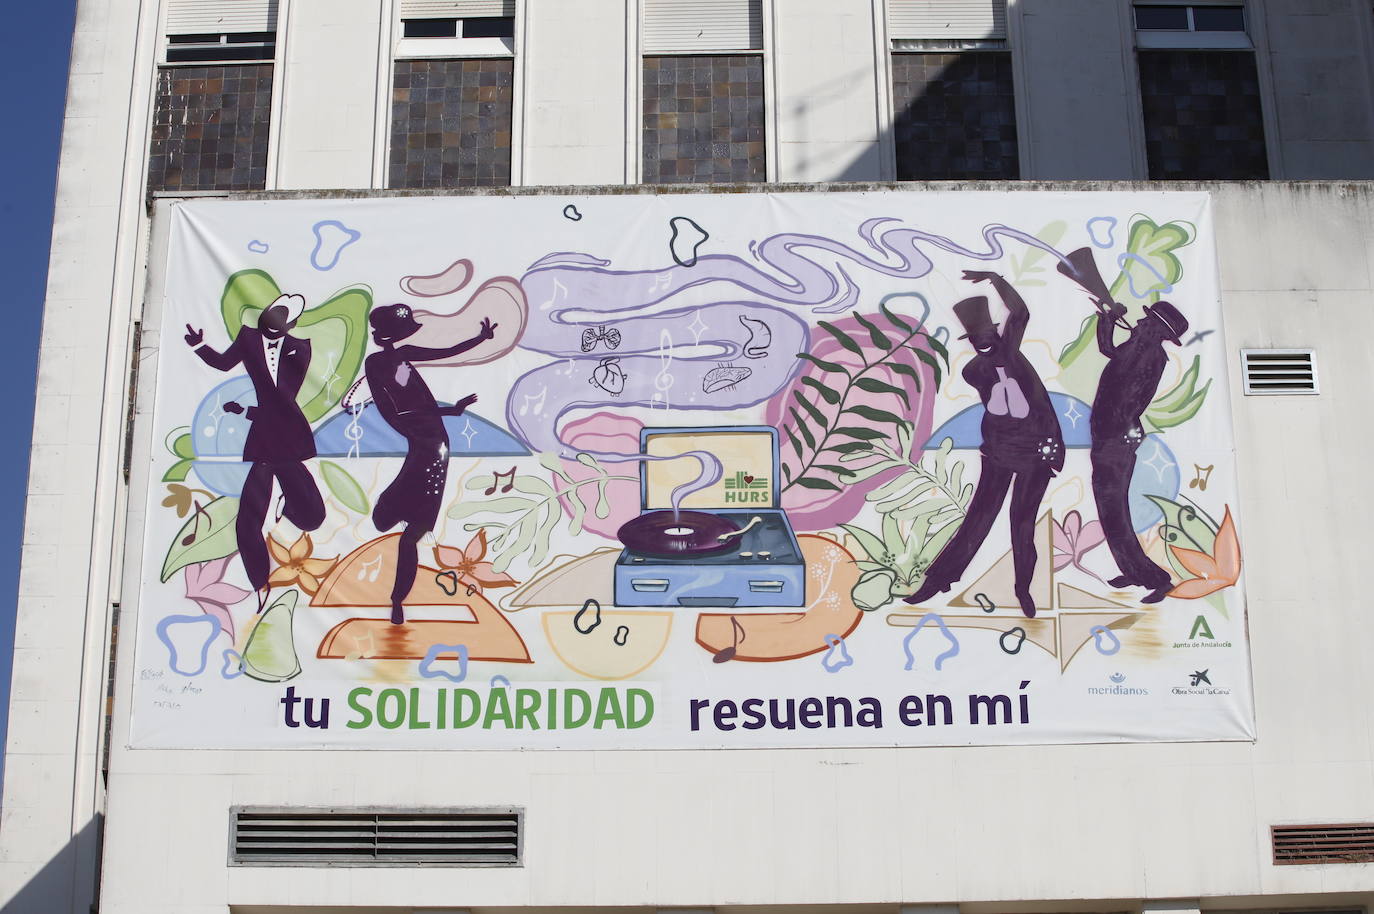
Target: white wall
<point>986,827</point>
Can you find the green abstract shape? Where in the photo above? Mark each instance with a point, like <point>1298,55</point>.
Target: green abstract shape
<point>874,590</point>
<point>1186,527</point>
<point>1150,248</point>
<point>336,329</point>
<point>184,447</point>
<point>177,472</point>
<point>344,487</point>
<point>207,535</point>
<point>1179,404</point>
<point>270,655</point>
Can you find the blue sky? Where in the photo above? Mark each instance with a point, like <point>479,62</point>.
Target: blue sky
<point>35,69</point>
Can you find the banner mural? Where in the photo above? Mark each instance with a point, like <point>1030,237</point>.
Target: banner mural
<point>691,471</point>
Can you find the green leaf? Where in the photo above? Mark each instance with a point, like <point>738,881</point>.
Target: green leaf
<point>801,427</point>
<point>822,364</point>
<point>874,333</point>
<point>844,339</point>
<point>811,482</point>
<point>507,505</point>
<point>177,471</point>
<point>270,654</point>
<point>344,487</point>
<point>811,409</point>
<point>904,369</point>
<point>932,362</point>
<point>826,393</point>
<point>938,346</point>
<point>849,447</point>
<point>872,545</point>
<point>787,473</point>
<point>874,386</point>
<point>855,431</point>
<point>184,447</point>
<point>873,414</point>
<point>894,319</point>
<point>207,535</point>
<point>838,471</point>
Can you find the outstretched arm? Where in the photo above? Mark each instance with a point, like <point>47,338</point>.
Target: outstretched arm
<point>1106,325</point>
<point>1018,315</point>
<point>421,354</point>
<point>220,361</point>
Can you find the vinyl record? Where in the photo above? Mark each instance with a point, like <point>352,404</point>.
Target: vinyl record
<point>666,534</point>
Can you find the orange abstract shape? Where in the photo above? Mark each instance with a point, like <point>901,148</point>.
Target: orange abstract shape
<point>831,574</point>
<point>1214,572</point>
<point>295,566</point>
<point>467,564</point>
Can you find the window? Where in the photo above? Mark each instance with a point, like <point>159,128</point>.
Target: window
<point>212,111</point>
<point>1199,93</point>
<point>953,95</point>
<point>452,105</point>
<point>703,92</point>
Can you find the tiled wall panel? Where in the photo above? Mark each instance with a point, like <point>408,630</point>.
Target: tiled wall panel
<point>1203,119</point>
<point>955,116</point>
<point>703,119</point>
<point>451,123</point>
<point>210,128</point>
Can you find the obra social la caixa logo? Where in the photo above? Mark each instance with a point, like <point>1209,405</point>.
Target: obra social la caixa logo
<point>1117,687</point>
<point>1200,683</point>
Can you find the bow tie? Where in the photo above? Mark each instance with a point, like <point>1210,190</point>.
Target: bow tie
<point>274,344</point>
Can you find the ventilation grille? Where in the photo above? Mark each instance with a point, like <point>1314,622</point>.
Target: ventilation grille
<point>296,836</point>
<point>702,26</point>
<point>1353,843</point>
<point>947,19</point>
<point>1279,371</point>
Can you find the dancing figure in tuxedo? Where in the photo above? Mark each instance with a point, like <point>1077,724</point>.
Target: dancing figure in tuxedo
<point>279,438</point>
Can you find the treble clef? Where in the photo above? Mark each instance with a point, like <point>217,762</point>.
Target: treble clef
<point>663,381</point>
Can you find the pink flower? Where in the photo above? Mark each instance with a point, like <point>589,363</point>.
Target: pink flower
<point>467,565</point>
<point>205,585</point>
<point>1074,539</point>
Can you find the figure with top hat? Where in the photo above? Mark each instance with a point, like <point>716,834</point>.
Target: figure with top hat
<point>406,403</point>
<point>1124,390</point>
<point>1022,446</point>
<point>279,439</point>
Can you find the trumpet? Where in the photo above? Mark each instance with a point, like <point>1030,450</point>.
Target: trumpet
<point>1080,266</point>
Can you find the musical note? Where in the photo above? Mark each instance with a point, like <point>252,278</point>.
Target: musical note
<point>190,538</point>
<point>661,282</point>
<point>496,481</point>
<point>728,653</point>
<point>376,569</point>
<point>1203,475</point>
<point>538,402</point>
<point>553,299</point>
<point>622,634</point>
<point>663,381</point>
<point>577,619</point>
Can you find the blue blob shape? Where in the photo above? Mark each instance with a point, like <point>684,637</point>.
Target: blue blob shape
<point>1164,286</point>
<point>427,665</point>
<point>499,682</point>
<point>216,433</point>
<point>1108,225</point>
<point>173,658</point>
<point>232,660</point>
<point>222,476</point>
<point>469,435</point>
<point>837,658</point>
<point>940,659</point>
<point>1156,473</point>
<point>1097,632</point>
<point>966,427</point>
<point>349,236</point>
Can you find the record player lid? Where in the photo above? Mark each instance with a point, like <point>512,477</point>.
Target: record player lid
<point>749,466</point>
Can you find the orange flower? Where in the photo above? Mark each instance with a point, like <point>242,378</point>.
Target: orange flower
<point>1214,572</point>
<point>467,565</point>
<point>295,566</point>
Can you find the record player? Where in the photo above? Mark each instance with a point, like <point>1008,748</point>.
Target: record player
<point>728,544</point>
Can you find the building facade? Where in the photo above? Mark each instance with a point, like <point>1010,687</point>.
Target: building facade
<point>1264,109</point>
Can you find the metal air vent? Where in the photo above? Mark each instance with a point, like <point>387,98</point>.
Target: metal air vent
<point>1279,371</point>
<point>301,836</point>
<point>1348,843</point>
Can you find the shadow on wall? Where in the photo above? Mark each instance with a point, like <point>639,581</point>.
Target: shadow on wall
<point>68,883</point>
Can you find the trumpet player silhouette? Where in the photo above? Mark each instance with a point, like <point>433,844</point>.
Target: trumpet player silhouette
<point>279,438</point>
<point>1022,445</point>
<point>1124,391</point>
<point>406,403</point>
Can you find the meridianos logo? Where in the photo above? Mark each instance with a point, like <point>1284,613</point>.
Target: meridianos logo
<point>1116,688</point>
<point>1199,683</point>
<point>1201,636</point>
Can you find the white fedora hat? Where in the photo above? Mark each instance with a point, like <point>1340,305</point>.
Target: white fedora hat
<point>294,305</point>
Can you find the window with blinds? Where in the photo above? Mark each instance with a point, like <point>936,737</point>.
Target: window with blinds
<point>702,26</point>
<point>917,24</point>
<point>220,31</point>
<point>449,28</point>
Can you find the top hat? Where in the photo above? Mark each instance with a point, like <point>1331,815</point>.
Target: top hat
<point>973,314</point>
<point>294,305</point>
<point>1175,324</point>
<point>394,322</point>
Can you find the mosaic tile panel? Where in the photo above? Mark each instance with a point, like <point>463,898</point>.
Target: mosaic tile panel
<point>1203,119</point>
<point>955,116</point>
<point>210,127</point>
<point>703,119</point>
<point>451,123</point>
